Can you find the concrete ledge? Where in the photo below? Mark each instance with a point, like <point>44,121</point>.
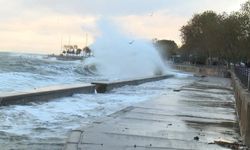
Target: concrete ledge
<point>52,92</point>
<point>45,94</point>
<point>104,86</point>
<point>242,97</point>
<point>204,70</point>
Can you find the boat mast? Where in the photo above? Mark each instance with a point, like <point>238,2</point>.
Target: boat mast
<point>86,40</point>
<point>61,44</point>
<point>69,40</point>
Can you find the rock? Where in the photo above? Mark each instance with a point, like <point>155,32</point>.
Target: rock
<point>176,90</point>
<point>196,138</point>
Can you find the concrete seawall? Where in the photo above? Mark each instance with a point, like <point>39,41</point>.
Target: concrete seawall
<point>45,94</point>
<point>204,70</point>
<point>52,92</point>
<point>102,87</point>
<point>242,97</point>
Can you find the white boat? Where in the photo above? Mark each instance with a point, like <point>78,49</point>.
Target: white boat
<point>72,52</point>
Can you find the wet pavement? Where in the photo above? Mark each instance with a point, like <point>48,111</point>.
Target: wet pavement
<point>195,116</point>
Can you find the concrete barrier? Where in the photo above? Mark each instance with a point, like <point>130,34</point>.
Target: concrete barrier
<point>52,92</point>
<point>204,70</point>
<point>242,97</point>
<point>104,86</point>
<point>45,94</point>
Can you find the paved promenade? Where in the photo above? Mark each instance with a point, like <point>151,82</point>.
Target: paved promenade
<point>188,118</point>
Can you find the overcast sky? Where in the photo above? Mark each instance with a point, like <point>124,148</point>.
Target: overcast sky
<point>39,25</point>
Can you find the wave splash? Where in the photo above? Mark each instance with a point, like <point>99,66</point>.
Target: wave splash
<point>118,55</point>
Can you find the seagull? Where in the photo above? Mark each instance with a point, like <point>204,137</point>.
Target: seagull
<point>131,42</point>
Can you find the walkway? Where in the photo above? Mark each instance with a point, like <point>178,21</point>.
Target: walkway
<point>191,117</point>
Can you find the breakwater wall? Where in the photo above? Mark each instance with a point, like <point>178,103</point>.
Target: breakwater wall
<point>102,87</point>
<point>242,98</point>
<point>45,94</point>
<point>204,70</point>
<point>53,92</point>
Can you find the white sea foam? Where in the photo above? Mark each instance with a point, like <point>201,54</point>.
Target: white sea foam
<point>119,56</point>
<point>55,118</point>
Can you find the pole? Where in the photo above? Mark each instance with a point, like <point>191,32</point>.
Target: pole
<point>86,44</point>
<point>69,40</point>
<point>61,44</point>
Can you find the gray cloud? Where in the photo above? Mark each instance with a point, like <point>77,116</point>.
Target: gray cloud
<point>31,21</point>
<point>16,8</point>
<point>97,7</point>
<point>116,7</point>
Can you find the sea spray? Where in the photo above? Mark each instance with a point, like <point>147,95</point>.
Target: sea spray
<point>118,55</point>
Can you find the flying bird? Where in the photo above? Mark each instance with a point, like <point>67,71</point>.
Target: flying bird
<point>131,42</point>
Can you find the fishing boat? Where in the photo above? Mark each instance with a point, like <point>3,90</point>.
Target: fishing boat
<point>72,52</point>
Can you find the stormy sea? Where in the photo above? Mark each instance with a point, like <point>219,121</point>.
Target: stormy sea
<point>45,125</point>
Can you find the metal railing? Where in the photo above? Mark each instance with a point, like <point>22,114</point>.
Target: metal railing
<point>243,73</point>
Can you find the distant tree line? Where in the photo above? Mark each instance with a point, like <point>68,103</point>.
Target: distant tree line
<point>211,38</point>
<point>166,48</point>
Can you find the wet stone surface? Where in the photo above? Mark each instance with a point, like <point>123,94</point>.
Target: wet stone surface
<point>196,117</point>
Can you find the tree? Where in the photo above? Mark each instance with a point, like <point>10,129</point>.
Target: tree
<point>245,10</point>
<point>232,43</point>
<point>167,48</point>
<point>200,35</point>
<point>223,37</point>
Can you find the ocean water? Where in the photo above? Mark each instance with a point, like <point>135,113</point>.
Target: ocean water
<point>19,72</point>
<point>46,125</point>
